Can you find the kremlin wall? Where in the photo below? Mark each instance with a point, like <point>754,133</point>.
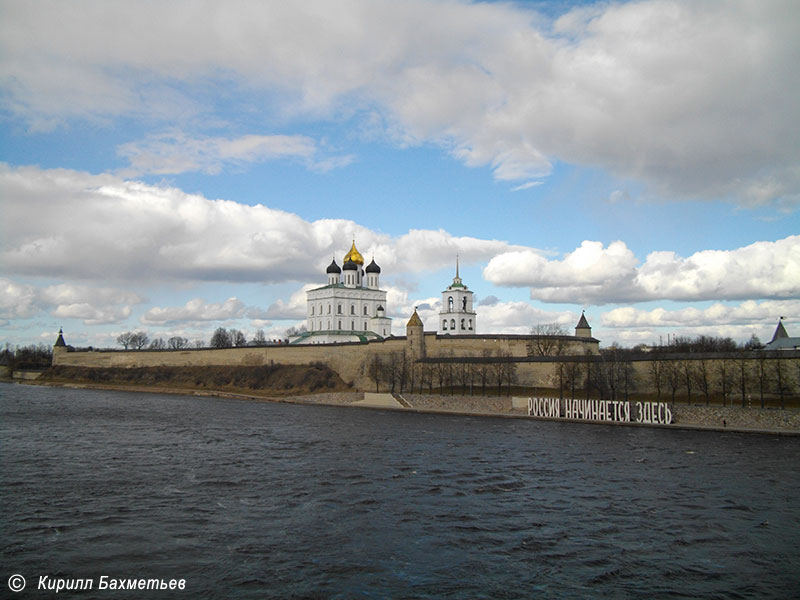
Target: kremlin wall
<point>347,326</point>
<point>348,359</point>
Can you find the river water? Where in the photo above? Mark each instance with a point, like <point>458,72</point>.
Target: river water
<point>259,500</point>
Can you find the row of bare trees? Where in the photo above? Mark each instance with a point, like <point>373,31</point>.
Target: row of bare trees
<point>741,380</point>
<point>728,379</point>
<point>399,372</point>
<point>221,338</point>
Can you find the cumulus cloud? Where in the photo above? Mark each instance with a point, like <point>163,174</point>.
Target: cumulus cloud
<point>196,310</point>
<point>594,274</point>
<point>520,318</point>
<point>175,152</point>
<point>766,312</point>
<point>629,325</point>
<point>294,308</point>
<point>93,305</point>
<point>65,223</point>
<point>695,98</point>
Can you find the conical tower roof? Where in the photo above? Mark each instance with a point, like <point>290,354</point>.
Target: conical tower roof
<point>780,332</point>
<point>583,323</point>
<point>414,321</point>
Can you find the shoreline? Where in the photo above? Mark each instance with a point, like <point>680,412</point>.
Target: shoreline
<point>496,407</point>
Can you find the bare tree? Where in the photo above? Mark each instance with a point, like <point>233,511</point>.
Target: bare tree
<point>259,339</point>
<point>158,344</point>
<point>783,380</point>
<point>139,340</point>
<point>237,338</point>
<point>509,375</point>
<point>484,370</point>
<point>724,371</point>
<point>657,375</point>
<point>221,338</point>
<point>689,372</point>
<point>465,373</point>
<point>703,378</point>
<point>548,340</point>
<point>292,331</point>
<point>124,339</point>
<point>742,378</point>
<point>177,342</point>
<point>374,370</point>
<point>572,377</point>
<point>673,376</point>
<point>761,373</point>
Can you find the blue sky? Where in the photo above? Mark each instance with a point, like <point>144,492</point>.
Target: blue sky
<point>174,168</point>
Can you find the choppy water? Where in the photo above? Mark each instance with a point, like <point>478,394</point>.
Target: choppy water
<point>259,500</point>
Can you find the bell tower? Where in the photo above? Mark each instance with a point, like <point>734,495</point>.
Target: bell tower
<point>457,316</point>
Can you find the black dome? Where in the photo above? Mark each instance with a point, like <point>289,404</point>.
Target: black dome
<point>350,266</point>
<point>333,267</point>
<point>373,267</point>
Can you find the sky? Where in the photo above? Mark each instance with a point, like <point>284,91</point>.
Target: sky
<point>175,167</point>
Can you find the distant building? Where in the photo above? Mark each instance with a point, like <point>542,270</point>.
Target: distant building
<point>350,308</point>
<point>781,339</point>
<point>457,316</point>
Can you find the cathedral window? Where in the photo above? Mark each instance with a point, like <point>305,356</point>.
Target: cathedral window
<point>365,311</point>
<point>450,304</point>
<point>352,309</point>
<point>340,324</point>
<point>329,309</point>
<point>312,309</point>
<point>470,324</point>
<point>329,323</point>
<point>444,325</point>
<point>453,324</point>
<point>339,308</point>
<point>462,323</point>
<point>365,325</point>
<point>464,303</point>
<point>352,325</point>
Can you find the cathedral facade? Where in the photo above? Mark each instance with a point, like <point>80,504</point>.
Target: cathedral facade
<point>351,307</point>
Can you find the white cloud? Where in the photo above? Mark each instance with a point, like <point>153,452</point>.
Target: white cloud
<point>92,315</point>
<point>746,313</point>
<point>175,152</point>
<point>18,301</point>
<point>196,310</point>
<point>593,274</point>
<point>520,318</point>
<point>695,98</point>
<point>295,308</point>
<point>93,305</point>
<point>63,223</point>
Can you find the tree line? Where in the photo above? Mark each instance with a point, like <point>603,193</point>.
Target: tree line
<point>400,372</point>
<point>26,357</point>
<point>221,338</point>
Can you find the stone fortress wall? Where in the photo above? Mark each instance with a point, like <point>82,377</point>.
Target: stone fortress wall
<point>350,360</point>
<point>347,359</point>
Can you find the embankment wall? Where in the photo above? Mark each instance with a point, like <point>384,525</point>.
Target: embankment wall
<point>758,370</point>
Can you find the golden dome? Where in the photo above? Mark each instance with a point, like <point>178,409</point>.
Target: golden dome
<point>354,255</point>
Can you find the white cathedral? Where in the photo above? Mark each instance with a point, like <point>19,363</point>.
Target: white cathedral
<point>352,307</point>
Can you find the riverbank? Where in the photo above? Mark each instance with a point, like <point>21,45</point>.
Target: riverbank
<point>711,418</point>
